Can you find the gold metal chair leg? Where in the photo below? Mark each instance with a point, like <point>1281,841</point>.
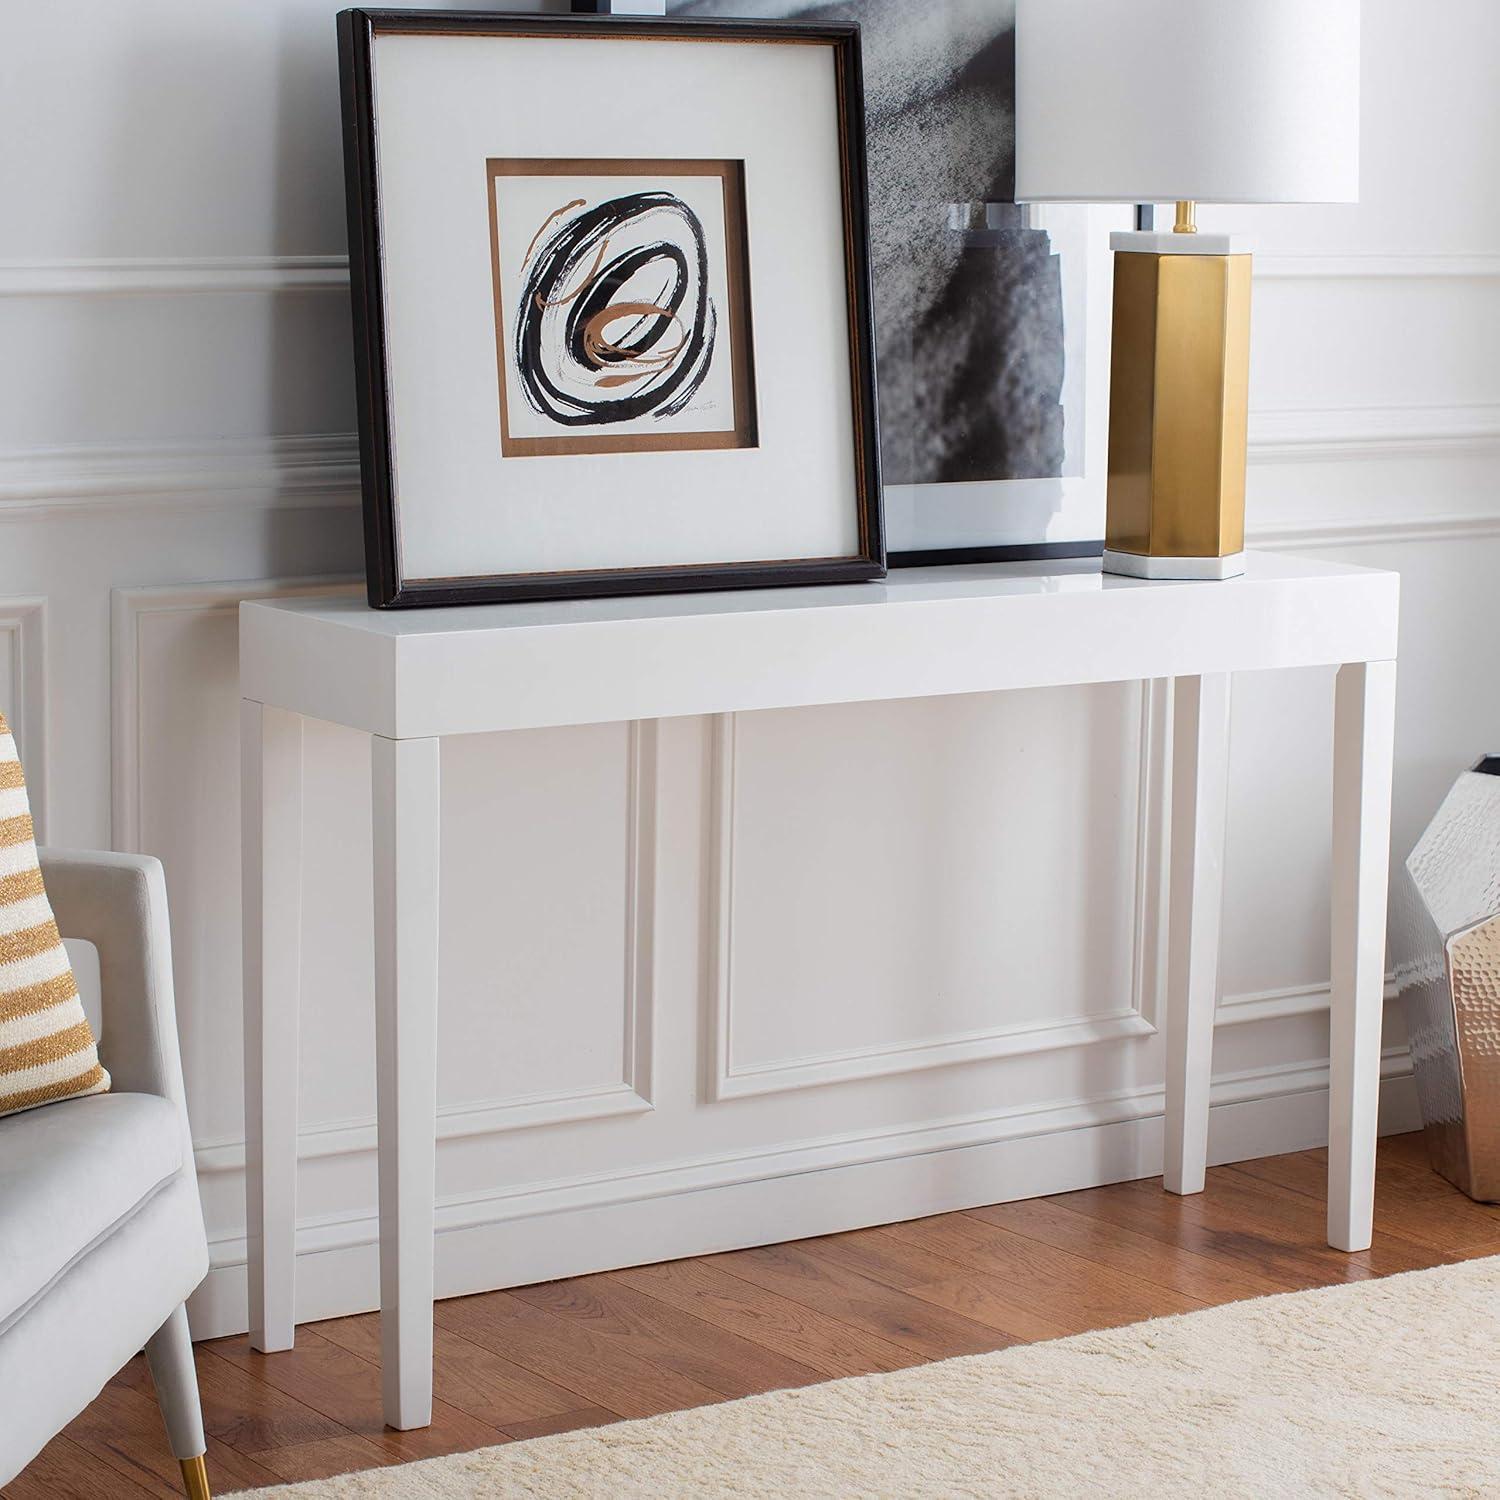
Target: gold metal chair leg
<point>195,1478</point>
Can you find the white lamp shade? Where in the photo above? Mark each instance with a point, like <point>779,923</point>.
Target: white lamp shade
<point>1222,101</point>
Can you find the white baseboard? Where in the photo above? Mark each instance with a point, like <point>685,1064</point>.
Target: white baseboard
<point>514,1238</point>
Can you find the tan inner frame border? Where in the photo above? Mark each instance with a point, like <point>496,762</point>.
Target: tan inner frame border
<point>744,433</point>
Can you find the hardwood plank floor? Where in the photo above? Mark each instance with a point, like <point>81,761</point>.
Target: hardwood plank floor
<point>597,1349</point>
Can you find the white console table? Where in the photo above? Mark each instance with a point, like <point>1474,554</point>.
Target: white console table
<point>409,678</point>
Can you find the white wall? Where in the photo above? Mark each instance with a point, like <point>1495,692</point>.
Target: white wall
<point>943,986</point>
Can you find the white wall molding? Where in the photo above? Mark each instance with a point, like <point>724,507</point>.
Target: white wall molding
<point>316,470</point>
<point>1136,1018</point>
<point>357,1137</point>
<point>23,666</point>
<point>1344,516</point>
<point>290,472</point>
<point>1318,434</point>
<point>830,1153</point>
<point>173,275</point>
<point>580,1224</point>
<point>297,274</point>
<point>1279,1004</point>
<point>1376,267</point>
<point>129,610</point>
<point>1290,536</point>
<point>632,1094</point>
<point>1148,979</point>
<point>861,1063</point>
<point>643,824</point>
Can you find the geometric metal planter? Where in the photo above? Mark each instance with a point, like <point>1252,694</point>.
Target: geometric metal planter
<point>1445,936</point>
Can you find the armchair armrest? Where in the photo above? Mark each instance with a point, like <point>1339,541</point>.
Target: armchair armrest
<point>118,902</point>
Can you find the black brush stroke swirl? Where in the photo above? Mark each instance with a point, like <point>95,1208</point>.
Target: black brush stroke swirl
<point>601,293</point>
<point>575,245</point>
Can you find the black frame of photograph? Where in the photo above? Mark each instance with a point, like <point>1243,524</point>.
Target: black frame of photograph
<point>357,29</point>
<point>942,557</point>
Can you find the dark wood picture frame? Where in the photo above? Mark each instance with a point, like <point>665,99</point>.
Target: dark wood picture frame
<point>357,30</point>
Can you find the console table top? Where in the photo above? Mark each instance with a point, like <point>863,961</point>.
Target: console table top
<point>919,632</point>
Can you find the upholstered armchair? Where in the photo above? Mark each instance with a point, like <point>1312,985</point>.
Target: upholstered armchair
<point>101,1232</point>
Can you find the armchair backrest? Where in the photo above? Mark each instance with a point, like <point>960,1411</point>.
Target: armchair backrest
<point>118,902</point>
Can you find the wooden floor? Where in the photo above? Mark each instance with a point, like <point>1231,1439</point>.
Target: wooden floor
<point>632,1343</point>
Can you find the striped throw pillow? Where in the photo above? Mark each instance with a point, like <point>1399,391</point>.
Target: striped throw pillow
<point>47,1050</point>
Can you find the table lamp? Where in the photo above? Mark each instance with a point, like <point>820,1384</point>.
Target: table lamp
<point>1185,101</point>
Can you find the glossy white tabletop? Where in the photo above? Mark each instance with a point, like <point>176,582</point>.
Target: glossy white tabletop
<point>921,631</point>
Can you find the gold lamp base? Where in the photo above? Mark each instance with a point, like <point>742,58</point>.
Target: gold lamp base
<point>1178,406</point>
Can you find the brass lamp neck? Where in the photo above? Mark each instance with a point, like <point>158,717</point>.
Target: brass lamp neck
<point>1187,221</point>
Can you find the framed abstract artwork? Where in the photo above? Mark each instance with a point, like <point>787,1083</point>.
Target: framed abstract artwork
<point>992,318</point>
<point>608,350</point>
<point>574,383</point>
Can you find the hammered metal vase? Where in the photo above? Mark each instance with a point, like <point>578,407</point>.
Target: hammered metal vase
<point>1446,940</point>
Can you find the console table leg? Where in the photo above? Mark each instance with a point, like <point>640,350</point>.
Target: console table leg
<point>1200,767</point>
<point>405,782</point>
<point>1363,762</point>
<point>271,893</point>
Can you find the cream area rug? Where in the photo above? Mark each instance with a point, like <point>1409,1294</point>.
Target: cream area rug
<point>1379,1388</point>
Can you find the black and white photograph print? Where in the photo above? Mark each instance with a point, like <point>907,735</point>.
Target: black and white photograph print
<point>981,304</point>
<point>622,306</point>
<point>968,297</point>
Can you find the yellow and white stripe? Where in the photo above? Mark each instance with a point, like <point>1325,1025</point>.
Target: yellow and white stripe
<point>47,1050</point>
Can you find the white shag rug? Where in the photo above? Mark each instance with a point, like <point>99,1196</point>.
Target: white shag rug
<point>1379,1388</point>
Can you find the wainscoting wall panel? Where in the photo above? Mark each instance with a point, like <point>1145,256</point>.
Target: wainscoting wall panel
<point>705,983</point>
<point>867,850</point>
<point>23,693</point>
